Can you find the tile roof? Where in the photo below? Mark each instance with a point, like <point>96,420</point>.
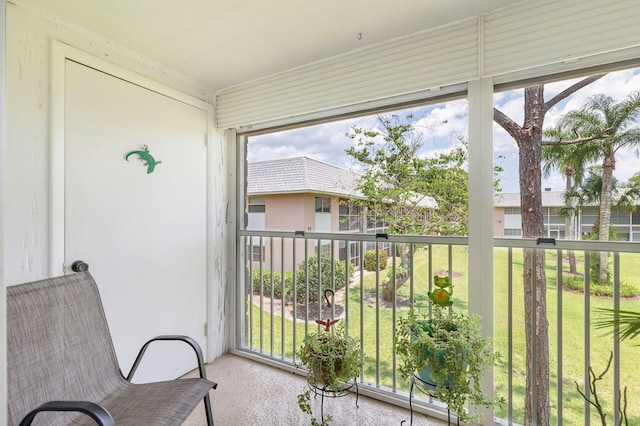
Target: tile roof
<point>512,199</point>
<point>305,175</point>
<point>549,199</point>
<point>300,175</point>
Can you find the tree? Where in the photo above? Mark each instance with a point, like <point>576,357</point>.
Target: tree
<point>448,183</point>
<point>635,179</point>
<point>571,161</point>
<point>589,193</point>
<point>396,182</point>
<point>528,137</point>
<point>604,127</point>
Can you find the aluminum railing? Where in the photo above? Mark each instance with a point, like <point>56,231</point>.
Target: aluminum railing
<point>281,283</point>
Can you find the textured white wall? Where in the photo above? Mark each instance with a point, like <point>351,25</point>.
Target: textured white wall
<point>27,198</point>
<point>3,206</point>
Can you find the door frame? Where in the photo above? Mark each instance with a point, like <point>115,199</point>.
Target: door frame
<point>60,53</point>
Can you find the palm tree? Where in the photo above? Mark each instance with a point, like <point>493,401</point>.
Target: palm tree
<point>604,127</point>
<point>627,321</point>
<point>589,193</point>
<point>571,161</point>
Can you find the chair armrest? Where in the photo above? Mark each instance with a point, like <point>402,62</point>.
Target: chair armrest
<point>93,410</point>
<point>186,339</point>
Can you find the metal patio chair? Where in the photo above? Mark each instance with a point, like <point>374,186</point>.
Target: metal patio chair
<point>62,367</point>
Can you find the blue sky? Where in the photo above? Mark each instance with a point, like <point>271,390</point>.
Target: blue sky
<point>443,124</point>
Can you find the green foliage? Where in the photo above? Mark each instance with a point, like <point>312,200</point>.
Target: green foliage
<point>448,183</point>
<point>577,284</point>
<point>333,358</point>
<point>392,175</point>
<point>397,183</point>
<point>594,256</point>
<point>276,284</point>
<point>400,274</point>
<point>601,127</point>
<point>628,321</point>
<point>455,350</point>
<point>370,260</point>
<point>332,276</point>
<point>396,179</point>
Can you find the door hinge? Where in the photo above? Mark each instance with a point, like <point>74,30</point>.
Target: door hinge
<point>206,329</point>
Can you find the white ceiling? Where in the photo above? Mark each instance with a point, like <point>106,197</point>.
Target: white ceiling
<point>224,42</point>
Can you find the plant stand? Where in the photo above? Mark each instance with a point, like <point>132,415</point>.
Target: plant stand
<point>323,391</point>
<point>426,388</point>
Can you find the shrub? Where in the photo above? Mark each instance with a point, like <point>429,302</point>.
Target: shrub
<point>577,284</point>
<point>339,281</point>
<point>277,283</point>
<point>370,260</point>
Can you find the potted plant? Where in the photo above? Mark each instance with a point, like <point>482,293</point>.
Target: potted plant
<point>446,352</point>
<point>333,358</point>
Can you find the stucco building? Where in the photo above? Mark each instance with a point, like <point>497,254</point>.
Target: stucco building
<point>306,195</point>
<point>507,218</point>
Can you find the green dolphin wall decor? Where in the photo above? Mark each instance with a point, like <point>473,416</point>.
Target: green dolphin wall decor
<point>146,158</point>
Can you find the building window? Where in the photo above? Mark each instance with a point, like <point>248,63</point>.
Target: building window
<point>512,221</point>
<point>349,216</point>
<point>555,217</point>
<point>257,253</point>
<point>256,205</point>
<point>323,205</point>
<point>325,248</point>
<point>354,252</point>
<point>512,232</point>
<point>589,215</point>
<point>620,217</point>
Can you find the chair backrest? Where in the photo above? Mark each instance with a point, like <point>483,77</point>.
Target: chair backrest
<point>59,346</point>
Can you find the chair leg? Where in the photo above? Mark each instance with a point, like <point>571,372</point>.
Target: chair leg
<point>207,410</point>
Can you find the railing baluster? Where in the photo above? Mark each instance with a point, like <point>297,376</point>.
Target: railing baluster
<point>250,298</point>
<point>429,275</point>
<point>559,291</point>
<point>260,310</point>
<point>319,277</point>
<point>295,300</point>
<point>347,262</point>
<point>616,339</point>
<point>393,274</point>
<point>362,253</point>
<point>510,334</point>
<point>282,301</point>
<point>333,280</point>
<point>306,287</point>
<point>587,335</point>
<point>271,276</point>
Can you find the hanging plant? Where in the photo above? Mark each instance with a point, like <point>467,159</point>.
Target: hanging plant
<point>333,359</point>
<point>447,352</point>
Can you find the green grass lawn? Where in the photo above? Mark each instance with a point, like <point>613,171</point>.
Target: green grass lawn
<point>377,329</point>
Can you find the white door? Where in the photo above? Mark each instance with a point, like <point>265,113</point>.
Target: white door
<point>141,229</point>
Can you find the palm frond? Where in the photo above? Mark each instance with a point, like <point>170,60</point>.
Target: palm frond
<point>627,321</point>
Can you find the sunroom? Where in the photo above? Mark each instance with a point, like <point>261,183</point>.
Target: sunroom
<point>89,88</point>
